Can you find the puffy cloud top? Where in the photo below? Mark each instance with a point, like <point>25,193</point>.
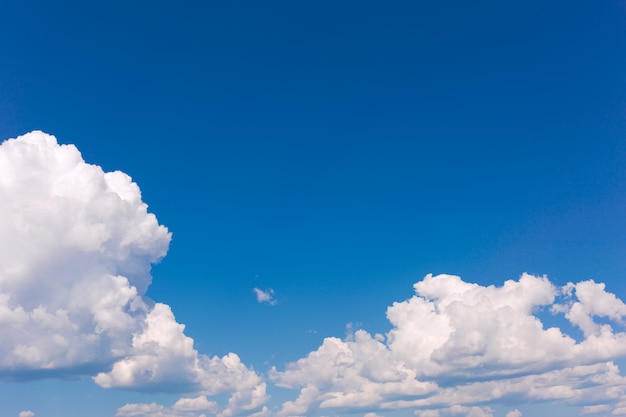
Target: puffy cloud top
<point>76,248</point>
<point>455,345</point>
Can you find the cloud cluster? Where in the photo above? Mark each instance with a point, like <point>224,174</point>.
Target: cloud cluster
<point>456,345</point>
<point>76,245</point>
<point>186,407</point>
<point>266,296</point>
<point>76,248</point>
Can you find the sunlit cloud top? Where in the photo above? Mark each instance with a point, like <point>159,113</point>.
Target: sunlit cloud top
<point>77,245</point>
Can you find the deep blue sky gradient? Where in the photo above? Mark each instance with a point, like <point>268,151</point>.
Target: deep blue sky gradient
<point>338,151</point>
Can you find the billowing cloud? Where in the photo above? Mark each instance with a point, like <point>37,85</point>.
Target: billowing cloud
<point>188,407</point>
<point>265,296</point>
<point>76,248</point>
<point>185,407</point>
<point>76,245</point>
<point>458,410</point>
<point>456,345</point>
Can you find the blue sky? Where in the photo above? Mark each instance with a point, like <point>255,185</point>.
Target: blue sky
<point>334,153</point>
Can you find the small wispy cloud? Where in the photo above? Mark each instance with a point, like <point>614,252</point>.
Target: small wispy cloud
<point>26,414</point>
<point>266,296</point>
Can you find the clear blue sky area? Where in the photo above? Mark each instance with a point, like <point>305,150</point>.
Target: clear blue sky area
<point>334,152</point>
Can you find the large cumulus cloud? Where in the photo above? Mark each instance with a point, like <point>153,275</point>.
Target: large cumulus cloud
<point>76,248</point>
<point>456,346</point>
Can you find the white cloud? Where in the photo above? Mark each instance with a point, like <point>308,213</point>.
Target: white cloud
<point>595,409</point>
<point>456,410</point>
<point>76,248</point>
<point>76,245</point>
<point>470,411</point>
<point>427,413</point>
<point>592,301</point>
<point>456,344</point>
<point>140,410</point>
<point>185,407</point>
<point>266,296</point>
<point>196,404</point>
<point>514,413</point>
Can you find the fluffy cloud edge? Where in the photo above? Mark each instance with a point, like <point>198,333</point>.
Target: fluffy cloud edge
<point>453,347</point>
<point>76,249</point>
<point>460,344</point>
<point>265,296</point>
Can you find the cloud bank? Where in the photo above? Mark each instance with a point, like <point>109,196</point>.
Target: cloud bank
<point>76,248</point>
<point>456,346</point>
